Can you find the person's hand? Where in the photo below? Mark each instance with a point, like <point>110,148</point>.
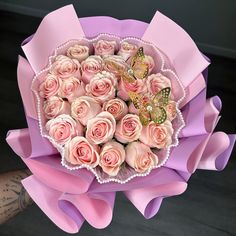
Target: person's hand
<point>13,196</point>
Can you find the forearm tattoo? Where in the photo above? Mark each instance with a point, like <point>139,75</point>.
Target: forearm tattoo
<point>13,196</point>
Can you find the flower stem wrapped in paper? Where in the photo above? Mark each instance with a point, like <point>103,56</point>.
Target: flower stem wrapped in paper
<point>113,106</point>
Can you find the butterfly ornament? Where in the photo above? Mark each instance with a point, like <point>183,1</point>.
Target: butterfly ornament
<point>137,69</point>
<point>150,107</point>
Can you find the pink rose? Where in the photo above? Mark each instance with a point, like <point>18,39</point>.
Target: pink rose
<point>138,86</point>
<point>104,47</point>
<point>118,60</point>
<point>116,107</point>
<point>71,88</point>
<point>91,66</point>
<point>157,136</point>
<point>55,106</point>
<point>148,60</point>
<point>128,128</point>
<point>101,128</point>
<point>140,157</point>
<point>112,155</point>
<point>63,128</point>
<point>127,50</point>
<point>65,67</point>
<point>171,110</point>
<point>50,86</point>
<point>157,82</point>
<point>84,108</point>
<point>102,86</point>
<point>79,52</point>
<point>79,151</point>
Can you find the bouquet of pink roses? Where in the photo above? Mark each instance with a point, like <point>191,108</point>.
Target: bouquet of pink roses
<point>113,106</point>
<point>108,106</point>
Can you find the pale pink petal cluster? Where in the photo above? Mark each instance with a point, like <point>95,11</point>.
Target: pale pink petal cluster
<point>88,112</point>
<point>112,156</point>
<point>79,52</point>
<point>50,86</point>
<point>140,157</point>
<point>128,128</point>
<point>156,82</point>
<point>101,128</point>
<point>138,86</point>
<point>65,67</point>
<point>117,107</point>
<point>90,67</point>
<point>63,128</point>
<point>104,47</point>
<point>79,151</point>
<point>55,106</point>
<point>71,88</point>
<point>127,50</point>
<point>157,136</point>
<point>85,108</point>
<point>102,86</point>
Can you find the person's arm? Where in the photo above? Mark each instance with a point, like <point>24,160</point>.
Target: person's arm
<point>13,196</point>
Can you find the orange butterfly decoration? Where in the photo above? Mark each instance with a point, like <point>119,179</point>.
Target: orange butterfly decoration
<point>150,107</point>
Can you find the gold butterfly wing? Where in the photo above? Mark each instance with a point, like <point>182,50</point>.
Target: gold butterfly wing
<point>139,67</point>
<point>115,67</point>
<point>144,116</point>
<point>127,77</point>
<point>158,115</point>
<point>140,71</point>
<point>139,56</point>
<point>136,99</point>
<point>162,97</point>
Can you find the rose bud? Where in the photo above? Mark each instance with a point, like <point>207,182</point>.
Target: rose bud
<point>138,86</point>
<point>120,63</point>
<point>148,60</point>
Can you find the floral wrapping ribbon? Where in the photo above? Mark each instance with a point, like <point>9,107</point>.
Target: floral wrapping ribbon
<point>68,198</point>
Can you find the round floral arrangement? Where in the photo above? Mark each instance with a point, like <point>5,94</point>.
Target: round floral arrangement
<point>110,105</point>
<point>102,106</point>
